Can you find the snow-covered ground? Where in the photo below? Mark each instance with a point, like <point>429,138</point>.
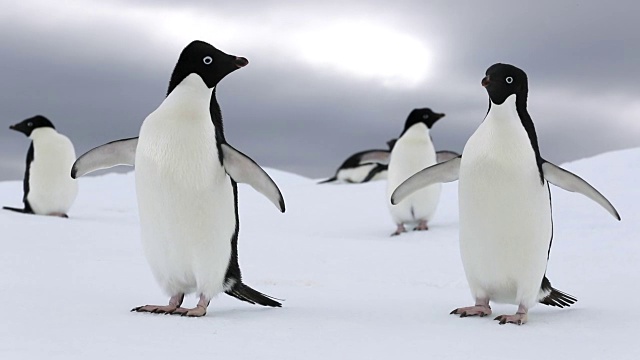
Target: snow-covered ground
<point>352,292</point>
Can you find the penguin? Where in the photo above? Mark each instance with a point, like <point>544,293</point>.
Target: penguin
<point>413,151</point>
<point>48,189</point>
<point>506,225</point>
<point>186,184</point>
<point>363,166</point>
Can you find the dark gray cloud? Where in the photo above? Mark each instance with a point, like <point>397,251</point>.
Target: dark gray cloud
<point>96,69</point>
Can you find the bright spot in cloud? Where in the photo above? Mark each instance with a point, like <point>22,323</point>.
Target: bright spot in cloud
<point>367,50</point>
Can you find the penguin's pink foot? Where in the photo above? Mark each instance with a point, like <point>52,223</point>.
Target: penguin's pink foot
<point>399,230</point>
<point>174,303</point>
<point>156,309</point>
<point>478,310</point>
<point>198,311</point>
<point>422,226</point>
<point>519,318</point>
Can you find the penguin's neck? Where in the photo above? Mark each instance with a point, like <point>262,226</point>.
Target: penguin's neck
<point>417,131</point>
<point>43,132</point>
<point>506,112</point>
<point>191,95</point>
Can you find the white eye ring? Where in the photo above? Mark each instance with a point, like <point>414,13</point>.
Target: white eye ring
<point>509,79</point>
<point>29,124</point>
<point>207,60</point>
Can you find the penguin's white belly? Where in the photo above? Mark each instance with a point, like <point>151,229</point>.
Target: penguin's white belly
<point>186,206</point>
<point>412,153</point>
<point>51,188</point>
<point>505,217</point>
<point>355,175</point>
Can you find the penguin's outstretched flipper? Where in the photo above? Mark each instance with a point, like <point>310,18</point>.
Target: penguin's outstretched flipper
<point>439,173</point>
<point>243,169</point>
<point>573,183</point>
<point>119,152</point>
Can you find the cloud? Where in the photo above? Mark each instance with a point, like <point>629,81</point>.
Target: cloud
<point>97,68</point>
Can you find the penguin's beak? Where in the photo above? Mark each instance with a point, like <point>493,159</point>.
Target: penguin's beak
<point>12,127</point>
<point>441,115</point>
<point>241,62</point>
<point>485,81</point>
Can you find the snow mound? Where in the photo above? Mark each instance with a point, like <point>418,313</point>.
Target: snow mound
<point>352,292</point>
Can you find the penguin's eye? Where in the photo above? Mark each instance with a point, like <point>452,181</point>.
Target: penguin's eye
<point>509,79</point>
<point>425,116</point>
<point>29,124</point>
<point>207,60</point>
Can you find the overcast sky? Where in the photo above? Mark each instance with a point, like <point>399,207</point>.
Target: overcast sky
<point>325,78</point>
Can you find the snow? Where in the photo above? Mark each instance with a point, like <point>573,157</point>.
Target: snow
<point>352,292</point>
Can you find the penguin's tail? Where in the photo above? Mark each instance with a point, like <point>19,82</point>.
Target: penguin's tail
<point>331,179</point>
<point>555,297</point>
<point>13,209</point>
<point>243,292</point>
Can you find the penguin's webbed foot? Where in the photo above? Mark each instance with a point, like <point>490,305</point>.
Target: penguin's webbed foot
<point>399,230</point>
<point>422,226</point>
<point>174,303</point>
<point>156,309</point>
<point>477,310</point>
<point>197,311</point>
<point>517,318</point>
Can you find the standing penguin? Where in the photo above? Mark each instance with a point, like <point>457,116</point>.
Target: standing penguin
<point>505,203</point>
<point>412,152</point>
<point>186,175</point>
<point>48,189</point>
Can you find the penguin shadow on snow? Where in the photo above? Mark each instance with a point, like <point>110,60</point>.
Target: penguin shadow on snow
<point>47,187</point>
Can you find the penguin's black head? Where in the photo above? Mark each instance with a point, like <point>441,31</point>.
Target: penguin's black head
<point>27,126</point>
<point>425,116</point>
<point>211,64</point>
<point>504,80</point>
<point>391,143</point>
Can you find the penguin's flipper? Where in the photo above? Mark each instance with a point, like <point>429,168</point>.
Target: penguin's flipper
<point>119,152</point>
<point>439,173</point>
<point>376,156</point>
<point>573,183</point>
<point>243,169</point>
<point>375,171</point>
<point>243,292</point>
<point>445,155</point>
